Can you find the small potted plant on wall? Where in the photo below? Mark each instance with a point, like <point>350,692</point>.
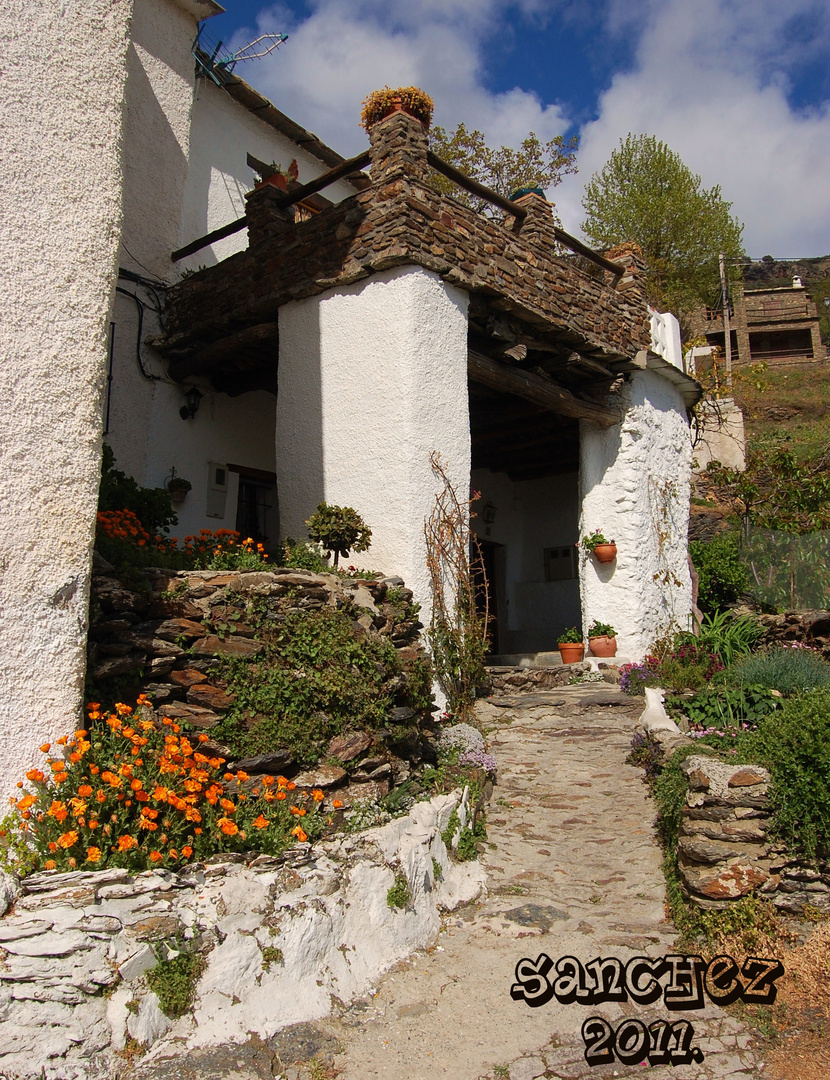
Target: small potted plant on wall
<point>603,550</point>
<point>602,639</point>
<point>178,488</point>
<point>408,99</point>
<point>571,645</point>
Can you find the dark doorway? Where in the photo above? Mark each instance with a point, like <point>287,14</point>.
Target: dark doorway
<point>494,561</point>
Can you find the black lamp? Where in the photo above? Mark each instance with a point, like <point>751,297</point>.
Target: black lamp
<point>191,406</point>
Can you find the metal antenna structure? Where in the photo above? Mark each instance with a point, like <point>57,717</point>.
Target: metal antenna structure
<point>217,64</point>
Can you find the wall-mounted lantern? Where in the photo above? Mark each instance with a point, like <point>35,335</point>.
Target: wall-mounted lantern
<point>488,513</point>
<point>191,406</point>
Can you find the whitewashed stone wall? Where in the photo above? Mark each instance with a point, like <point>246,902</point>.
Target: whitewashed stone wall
<point>73,936</point>
<point>634,481</point>
<point>372,378</point>
<point>60,192</point>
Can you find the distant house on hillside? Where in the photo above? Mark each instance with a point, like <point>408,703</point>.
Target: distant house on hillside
<point>314,355</point>
<point>778,324</point>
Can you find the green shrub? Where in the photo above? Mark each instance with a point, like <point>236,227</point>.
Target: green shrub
<point>314,679</point>
<point>301,555</point>
<point>398,896</point>
<point>152,506</point>
<point>727,636</point>
<point>723,577</point>
<point>725,707</point>
<point>789,669</point>
<point>174,982</point>
<point>794,745</point>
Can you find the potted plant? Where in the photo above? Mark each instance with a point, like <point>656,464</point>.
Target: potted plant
<point>274,176</point>
<point>178,488</point>
<point>408,99</point>
<point>602,639</point>
<point>603,550</point>
<point>571,646</point>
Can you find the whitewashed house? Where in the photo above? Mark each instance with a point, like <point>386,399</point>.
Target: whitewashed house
<point>333,348</point>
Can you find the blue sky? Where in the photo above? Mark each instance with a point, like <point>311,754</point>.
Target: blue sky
<point>739,88</point>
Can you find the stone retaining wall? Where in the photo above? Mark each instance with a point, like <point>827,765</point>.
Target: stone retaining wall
<point>278,937</point>
<point>166,633</point>
<point>723,849</point>
<point>807,627</point>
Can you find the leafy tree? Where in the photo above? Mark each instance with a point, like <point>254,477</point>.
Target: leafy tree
<point>505,170</point>
<point>339,529</point>
<point>645,193</point>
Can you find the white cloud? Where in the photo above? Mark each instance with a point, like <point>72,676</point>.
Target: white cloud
<point>711,78</point>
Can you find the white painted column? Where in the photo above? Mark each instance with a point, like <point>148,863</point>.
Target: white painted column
<point>372,378</point>
<point>634,487</point>
<point>60,189</point>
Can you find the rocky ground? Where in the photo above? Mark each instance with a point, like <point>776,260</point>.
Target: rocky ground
<point>573,870</point>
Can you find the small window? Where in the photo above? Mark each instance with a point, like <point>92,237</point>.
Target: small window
<point>560,563</point>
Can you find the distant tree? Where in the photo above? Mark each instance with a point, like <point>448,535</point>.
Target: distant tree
<point>505,170</point>
<point>645,193</point>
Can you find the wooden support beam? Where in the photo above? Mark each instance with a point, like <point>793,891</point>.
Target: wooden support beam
<point>537,389</point>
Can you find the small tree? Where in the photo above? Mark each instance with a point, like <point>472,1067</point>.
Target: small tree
<point>340,529</point>
<point>505,170</point>
<point>646,193</point>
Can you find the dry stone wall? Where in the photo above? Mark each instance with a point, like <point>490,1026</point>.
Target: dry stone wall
<point>166,634</point>
<point>276,939</point>
<point>724,851</point>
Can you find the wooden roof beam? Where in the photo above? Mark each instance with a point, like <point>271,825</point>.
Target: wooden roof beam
<point>537,389</point>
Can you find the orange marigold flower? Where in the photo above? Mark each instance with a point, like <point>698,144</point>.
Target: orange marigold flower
<point>52,845</point>
<point>197,831</point>
<point>281,795</point>
<point>300,834</point>
<point>35,774</point>
<point>62,741</point>
<point>74,757</point>
<point>268,796</point>
<point>78,806</point>
<point>85,791</point>
<point>228,776</point>
<point>290,785</point>
<point>26,802</point>
<point>282,781</point>
<point>202,738</point>
<point>68,839</point>
<point>127,843</point>
<point>227,826</point>
<point>317,795</point>
<point>136,785</point>
<point>267,781</point>
<point>226,804</point>
<point>101,796</point>
<point>94,769</point>
<point>337,804</point>
<point>50,864</point>
<point>93,854</point>
<point>46,747</point>
<point>172,853</point>
<point>298,811</point>
<point>156,856</point>
<point>80,733</point>
<point>261,822</point>
<point>241,775</point>
<point>187,851</point>
<point>93,823</point>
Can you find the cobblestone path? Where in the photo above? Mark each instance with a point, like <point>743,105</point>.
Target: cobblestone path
<point>574,870</point>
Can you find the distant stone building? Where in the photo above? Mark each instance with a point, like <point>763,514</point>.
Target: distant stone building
<point>772,324</point>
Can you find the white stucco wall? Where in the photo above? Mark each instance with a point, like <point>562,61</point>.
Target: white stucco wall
<point>372,378</point>
<point>720,434</point>
<point>634,479</point>
<point>531,515</point>
<point>222,134</point>
<point>156,134</point>
<point>60,190</point>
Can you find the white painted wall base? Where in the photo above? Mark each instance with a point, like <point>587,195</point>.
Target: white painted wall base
<point>634,480</point>
<point>61,231</point>
<point>372,378</point>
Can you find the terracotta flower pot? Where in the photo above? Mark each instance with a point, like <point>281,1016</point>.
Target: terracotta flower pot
<point>277,180</point>
<point>605,552</point>
<point>603,646</point>
<point>572,652</point>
